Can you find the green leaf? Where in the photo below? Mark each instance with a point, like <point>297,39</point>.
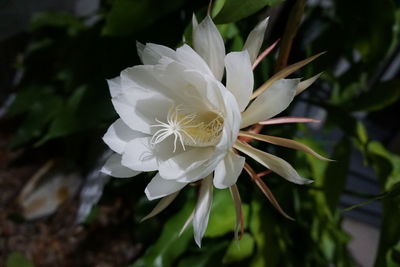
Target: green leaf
<point>17,259</point>
<point>130,16</point>
<point>40,105</point>
<point>223,215</point>
<point>234,10</point>
<point>66,121</point>
<point>239,250</point>
<point>87,108</point>
<point>335,176</point>
<point>169,245</point>
<point>205,257</point>
<point>394,192</point>
<point>58,20</point>
<point>387,166</point>
<point>379,97</point>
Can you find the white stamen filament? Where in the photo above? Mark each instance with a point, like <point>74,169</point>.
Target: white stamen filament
<point>194,129</point>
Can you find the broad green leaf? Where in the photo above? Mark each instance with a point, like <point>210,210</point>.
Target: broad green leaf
<point>223,214</point>
<point>169,245</point>
<point>239,250</point>
<point>234,10</point>
<point>17,259</point>
<point>130,16</point>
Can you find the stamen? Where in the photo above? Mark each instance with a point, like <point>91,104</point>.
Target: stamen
<point>193,129</point>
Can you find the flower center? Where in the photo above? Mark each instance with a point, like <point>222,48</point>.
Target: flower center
<point>192,129</point>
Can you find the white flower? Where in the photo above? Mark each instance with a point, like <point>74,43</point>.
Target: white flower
<point>177,118</point>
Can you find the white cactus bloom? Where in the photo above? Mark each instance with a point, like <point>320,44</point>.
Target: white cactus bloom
<point>177,118</point>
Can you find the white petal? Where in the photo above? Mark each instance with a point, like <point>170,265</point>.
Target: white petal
<point>152,53</point>
<point>208,43</point>
<point>113,167</point>
<point>114,86</point>
<point>275,164</point>
<point>119,134</point>
<point>202,210</point>
<point>228,170</point>
<point>255,40</point>
<point>140,110</point>
<point>140,48</point>
<point>180,165</point>
<point>139,155</point>
<point>188,57</point>
<point>239,77</point>
<point>159,187</point>
<point>271,102</point>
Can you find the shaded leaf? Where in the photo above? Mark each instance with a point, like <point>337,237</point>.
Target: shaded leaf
<point>234,10</point>
<point>239,250</point>
<point>130,16</point>
<point>17,259</point>
<point>379,97</point>
<point>336,173</point>
<point>170,245</point>
<point>223,214</point>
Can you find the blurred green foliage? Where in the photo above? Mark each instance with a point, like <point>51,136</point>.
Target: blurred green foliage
<point>63,102</point>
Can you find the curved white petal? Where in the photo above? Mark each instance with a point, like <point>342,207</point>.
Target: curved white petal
<point>188,57</point>
<point>182,164</point>
<point>228,170</point>
<point>202,210</point>
<point>275,164</point>
<point>150,54</point>
<point>239,77</point>
<point>114,86</point>
<point>119,134</point>
<point>159,187</point>
<point>271,102</point>
<point>141,114</point>
<point>208,43</point>
<point>255,40</point>
<point>113,167</point>
<point>139,155</point>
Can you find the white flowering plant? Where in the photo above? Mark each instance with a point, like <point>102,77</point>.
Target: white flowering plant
<point>179,119</point>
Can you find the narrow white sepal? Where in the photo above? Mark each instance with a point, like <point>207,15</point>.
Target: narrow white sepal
<point>303,85</point>
<point>255,39</point>
<point>275,164</point>
<point>187,223</point>
<point>161,205</point>
<point>271,102</point>
<point>203,208</point>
